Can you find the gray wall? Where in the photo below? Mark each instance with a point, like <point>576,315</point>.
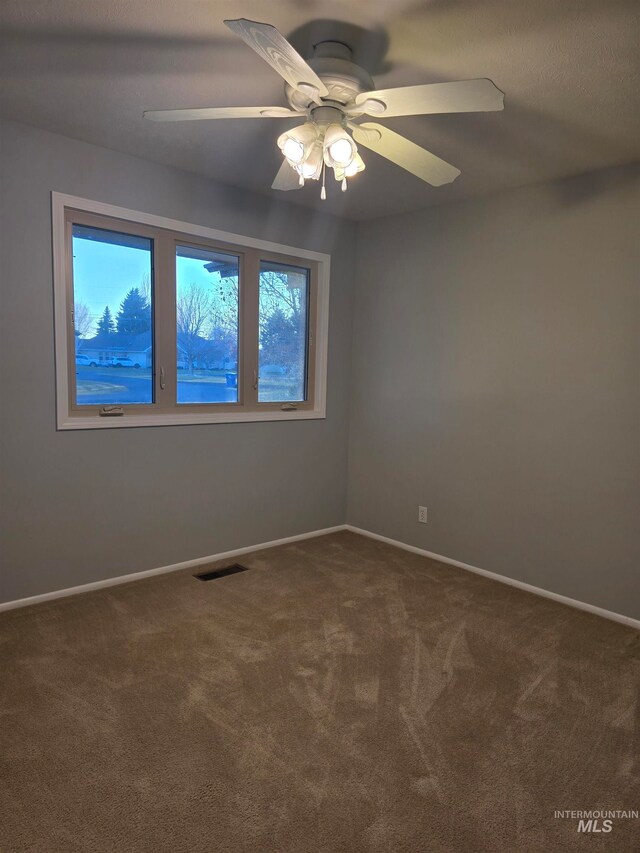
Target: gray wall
<point>82,506</point>
<point>496,381</point>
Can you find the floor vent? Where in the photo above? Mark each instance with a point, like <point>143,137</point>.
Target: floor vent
<point>214,574</point>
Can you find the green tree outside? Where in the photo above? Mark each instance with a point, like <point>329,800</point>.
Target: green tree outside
<point>106,325</point>
<point>134,316</point>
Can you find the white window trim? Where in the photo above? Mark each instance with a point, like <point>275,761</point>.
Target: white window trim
<point>61,201</point>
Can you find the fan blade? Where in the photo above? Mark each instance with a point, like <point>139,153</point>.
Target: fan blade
<point>273,47</point>
<point>286,179</point>
<point>405,154</point>
<point>219,112</point>
<point>464,96</point>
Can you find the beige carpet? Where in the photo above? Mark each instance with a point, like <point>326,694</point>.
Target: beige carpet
<point>342,695</point>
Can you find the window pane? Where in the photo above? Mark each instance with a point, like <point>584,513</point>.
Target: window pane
<point>112,312</point>
<point>207,325</point>
<point>282,359</point>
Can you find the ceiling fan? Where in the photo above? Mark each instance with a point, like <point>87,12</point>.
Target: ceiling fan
<point>333,94</point>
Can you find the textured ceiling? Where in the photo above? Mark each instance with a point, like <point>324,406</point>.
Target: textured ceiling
<point>569,69</point>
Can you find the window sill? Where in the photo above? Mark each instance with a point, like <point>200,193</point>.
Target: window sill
<point>97,422</point>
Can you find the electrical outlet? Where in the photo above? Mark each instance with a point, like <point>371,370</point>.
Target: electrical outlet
<point>422,514</point>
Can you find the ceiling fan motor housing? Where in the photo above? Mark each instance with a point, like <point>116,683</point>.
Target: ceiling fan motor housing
<point>342,77</point>
<point>327,114</point>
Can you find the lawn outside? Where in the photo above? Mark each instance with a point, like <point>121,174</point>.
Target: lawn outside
<point>108,385</point>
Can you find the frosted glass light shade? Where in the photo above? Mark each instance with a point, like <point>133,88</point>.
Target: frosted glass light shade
<point>296,143</point>
<point>312,166</point>
<point>293,150</point>
<point>355,166</point>
<point>341,152</point>
<point>339,147</point>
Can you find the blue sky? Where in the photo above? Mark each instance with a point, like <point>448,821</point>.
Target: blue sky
<point>103,273</point>
<point>192,271</point>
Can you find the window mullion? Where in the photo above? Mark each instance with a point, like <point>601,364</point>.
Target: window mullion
<point>164,281</point>
<point>250,290</point>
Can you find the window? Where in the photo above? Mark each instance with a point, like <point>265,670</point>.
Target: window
<point>207,325</point>
<point>112,316</point>
<point>284,338</point>
<point>161,322</point>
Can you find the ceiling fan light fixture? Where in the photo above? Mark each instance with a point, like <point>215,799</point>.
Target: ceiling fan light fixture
<point>339,147</point>
<point>293,150</point>
<point>341,152</point>
<point>312,166</point>
<point>355,166</point>
<point>296,143</point>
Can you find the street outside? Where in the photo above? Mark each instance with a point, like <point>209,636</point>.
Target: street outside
<point>106,386</point>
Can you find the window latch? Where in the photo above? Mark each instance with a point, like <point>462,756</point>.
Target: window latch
<point>288,407</point>
<point>162,379</point>
<point>111,411</point>
<point>255,380</point>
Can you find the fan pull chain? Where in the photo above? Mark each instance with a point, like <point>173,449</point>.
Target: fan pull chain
<point>301,181</point>
<point>323,191</point>
<point>344,185</point>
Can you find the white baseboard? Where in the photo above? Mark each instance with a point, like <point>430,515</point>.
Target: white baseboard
<point>175,567</point>
<point>200,561</point>
<point>536,590</point>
